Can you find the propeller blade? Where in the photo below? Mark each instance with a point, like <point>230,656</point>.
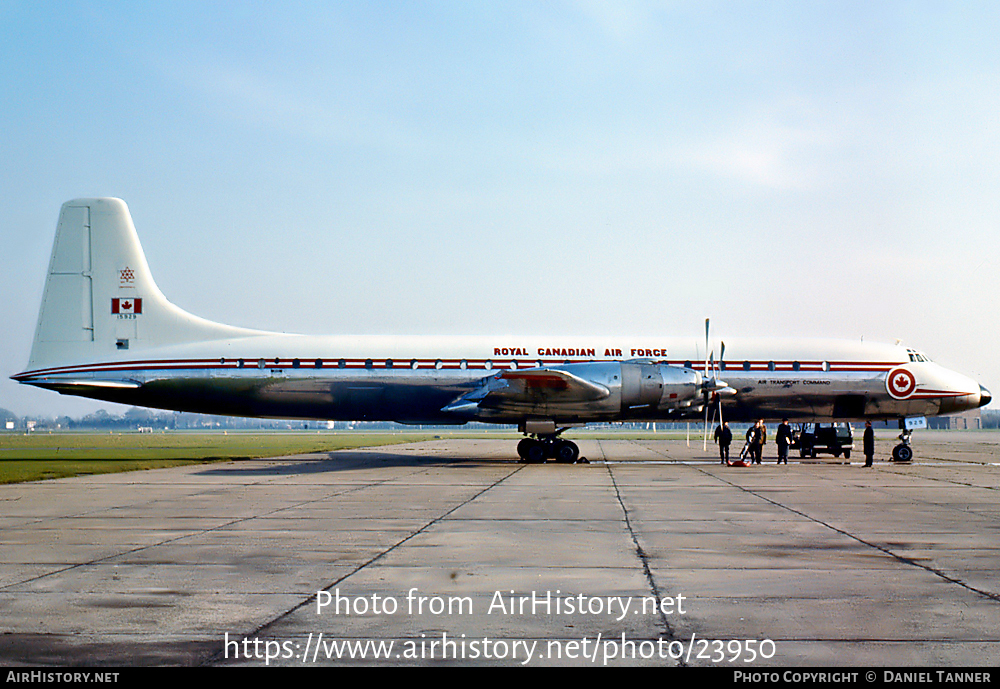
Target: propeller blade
<point>706,348</point>
<point>722,358</point>
<point>705,444</point>
<point>705,383</point>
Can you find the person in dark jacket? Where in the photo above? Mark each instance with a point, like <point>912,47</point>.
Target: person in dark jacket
<point>748,447</point>
<point>758,436</point>
<point>724,437</point>
<point>869,443</point>
<point>783,440</point>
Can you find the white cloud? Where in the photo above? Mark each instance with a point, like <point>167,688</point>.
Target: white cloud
<point>783,147</point>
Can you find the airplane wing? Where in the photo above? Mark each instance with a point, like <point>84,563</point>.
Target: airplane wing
<point>534,387</point>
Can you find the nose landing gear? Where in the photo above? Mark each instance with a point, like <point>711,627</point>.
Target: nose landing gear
<point>903,452</point>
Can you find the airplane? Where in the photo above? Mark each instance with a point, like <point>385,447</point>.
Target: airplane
<point>105,331</point>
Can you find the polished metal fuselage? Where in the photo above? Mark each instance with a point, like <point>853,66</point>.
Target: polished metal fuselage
<point>414,380</point>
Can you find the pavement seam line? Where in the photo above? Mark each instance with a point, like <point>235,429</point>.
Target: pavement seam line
<point>905,560</point>
<point>640,553</point>
<point>260,629</point>
<point>200,532</point>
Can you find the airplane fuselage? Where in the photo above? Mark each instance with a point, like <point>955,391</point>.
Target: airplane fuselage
<point>413,380</point>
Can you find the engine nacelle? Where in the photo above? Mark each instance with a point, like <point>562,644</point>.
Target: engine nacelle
<point>636,385</point>
<point>659,386</point>
<point>582,392</point>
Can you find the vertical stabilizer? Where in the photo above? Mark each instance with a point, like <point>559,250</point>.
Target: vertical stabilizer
<point>100,299</point>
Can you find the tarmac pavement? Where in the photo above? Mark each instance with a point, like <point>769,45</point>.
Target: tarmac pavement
<point>453,552</point>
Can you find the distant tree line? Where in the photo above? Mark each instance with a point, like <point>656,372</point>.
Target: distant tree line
<point>138,417</point>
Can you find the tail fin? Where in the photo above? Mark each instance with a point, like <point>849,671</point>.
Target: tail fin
<point>100,297</point>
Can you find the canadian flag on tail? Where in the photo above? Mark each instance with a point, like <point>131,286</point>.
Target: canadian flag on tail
<point>126,305</point>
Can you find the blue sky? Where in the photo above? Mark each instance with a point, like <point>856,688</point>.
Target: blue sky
<point>800,168</point>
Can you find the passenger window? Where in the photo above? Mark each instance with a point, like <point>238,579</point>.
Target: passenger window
<point>746,365</point>
<point>796,366</point>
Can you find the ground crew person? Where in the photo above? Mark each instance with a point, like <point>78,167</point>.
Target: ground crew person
<point>724,437</point>
<point>758,437</point>
<point>783,439</point>
<point>869,443</point>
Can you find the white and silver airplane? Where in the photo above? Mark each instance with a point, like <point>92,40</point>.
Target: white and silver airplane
<point>106,331</point>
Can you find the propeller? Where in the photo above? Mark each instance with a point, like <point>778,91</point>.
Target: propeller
<point>712,388</point>
<point>718,397</point>
<point>704,385</point>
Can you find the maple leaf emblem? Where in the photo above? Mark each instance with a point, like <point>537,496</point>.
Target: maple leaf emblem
<point>901,383</point>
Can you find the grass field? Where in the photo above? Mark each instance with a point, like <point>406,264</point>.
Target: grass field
<point>41,456</point>
<point>55,455</point>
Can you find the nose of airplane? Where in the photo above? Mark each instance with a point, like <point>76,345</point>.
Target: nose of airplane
<point>984,396</point>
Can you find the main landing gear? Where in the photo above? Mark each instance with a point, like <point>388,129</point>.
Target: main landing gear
<point>544,447</point>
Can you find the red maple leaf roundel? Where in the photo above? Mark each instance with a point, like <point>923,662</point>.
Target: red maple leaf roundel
<point>900,383</point>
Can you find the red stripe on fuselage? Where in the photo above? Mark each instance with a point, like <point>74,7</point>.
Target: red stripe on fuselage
<point>424,364</point>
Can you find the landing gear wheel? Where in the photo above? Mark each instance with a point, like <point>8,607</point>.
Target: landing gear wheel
<point>847,454</point>
<point>566,452</point>
<point>902,453</point>
<point>522,448</point>
<point>537,452</point>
